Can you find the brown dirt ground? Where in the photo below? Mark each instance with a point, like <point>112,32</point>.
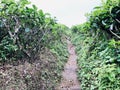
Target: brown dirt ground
<point>69,77</point>
<point>37,75</point>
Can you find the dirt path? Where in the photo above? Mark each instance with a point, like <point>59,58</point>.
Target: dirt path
<point>69,76</point>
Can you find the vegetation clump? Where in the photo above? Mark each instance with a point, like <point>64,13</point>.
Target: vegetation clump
<point>98,48</point>
<point>32,47</point>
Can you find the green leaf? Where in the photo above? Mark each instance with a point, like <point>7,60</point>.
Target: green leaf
<point>35,8</point>
<point>112,77</point>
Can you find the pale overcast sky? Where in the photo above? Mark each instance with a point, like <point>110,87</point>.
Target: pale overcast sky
<point>68,12</point>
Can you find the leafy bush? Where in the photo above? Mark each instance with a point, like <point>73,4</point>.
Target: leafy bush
<point>106,17</point>
<point>98,62</point>
<point>29,28</point>
<point>98,48</point>
<point>27,33</point>
<point>7,48</point>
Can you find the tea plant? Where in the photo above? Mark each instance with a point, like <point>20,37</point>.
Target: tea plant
<point>29,28</point>
<point>97,43</point>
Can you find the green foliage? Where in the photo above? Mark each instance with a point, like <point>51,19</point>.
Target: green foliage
<point>106,18</point>
<point>98,48</point>
<point>60,50</point>
<point>29,28</point>
<point>25,33</point>
<point>108,76</point>
<point>7,48</point>
<point>82,28</point>
<point>98,62</point>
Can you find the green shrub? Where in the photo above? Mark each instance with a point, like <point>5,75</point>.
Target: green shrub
<point>29,28</point>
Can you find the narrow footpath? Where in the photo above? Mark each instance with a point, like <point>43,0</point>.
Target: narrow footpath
<point>69,75</point>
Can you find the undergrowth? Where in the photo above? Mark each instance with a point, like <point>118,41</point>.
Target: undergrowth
<point>98,63</point>
<point>98,47</point>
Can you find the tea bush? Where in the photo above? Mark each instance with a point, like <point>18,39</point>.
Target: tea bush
<point>28,29</point>
<point>98,48</point>
<point>34,43</point>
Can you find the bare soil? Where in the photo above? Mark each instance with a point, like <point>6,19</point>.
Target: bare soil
<point>38,75</point>
<point>69,76</point>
